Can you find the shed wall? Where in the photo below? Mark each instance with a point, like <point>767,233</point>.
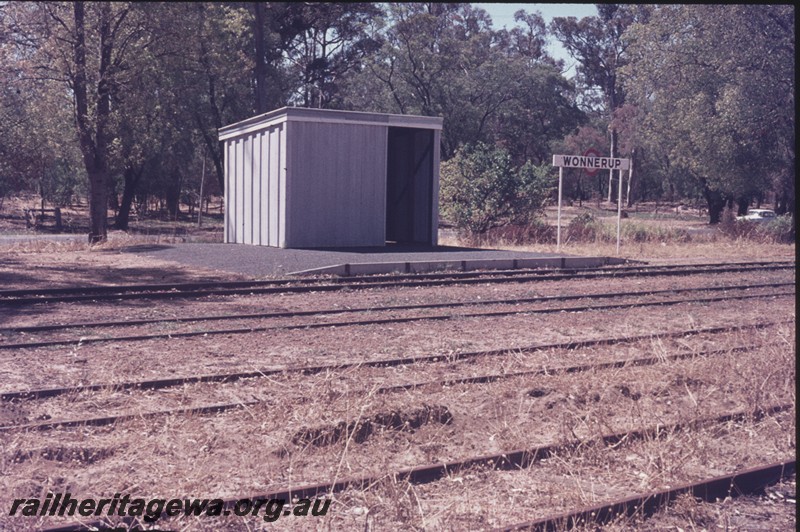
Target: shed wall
<point>336,192</point>
<point>255,187</point>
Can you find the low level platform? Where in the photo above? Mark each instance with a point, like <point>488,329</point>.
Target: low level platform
<point>261,261</point>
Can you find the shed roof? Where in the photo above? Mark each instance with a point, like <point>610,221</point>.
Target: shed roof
<point>301,114</point>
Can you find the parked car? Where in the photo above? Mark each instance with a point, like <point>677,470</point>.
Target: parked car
<point>758,215</point>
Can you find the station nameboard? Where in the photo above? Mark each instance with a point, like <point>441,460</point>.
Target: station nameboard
<point>595,163</point>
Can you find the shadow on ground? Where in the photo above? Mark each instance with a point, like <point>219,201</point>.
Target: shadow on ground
<point>17,274</point>
<point>140,248</point>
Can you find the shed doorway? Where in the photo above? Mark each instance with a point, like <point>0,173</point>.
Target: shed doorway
<point>409,186</point>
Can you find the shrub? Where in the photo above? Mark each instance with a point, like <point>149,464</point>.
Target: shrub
<point>777,230</point>
<point>482,190</point>
<point>584,228</point>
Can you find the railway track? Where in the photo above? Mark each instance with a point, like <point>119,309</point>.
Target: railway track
<point>748,481</point>
<point>635,503</point>
<point>155,384</point>
<point>386,321</point>
<point>330,312</point>
<point>512,460</point>
<point>25,297</point>
<point>219,408</point>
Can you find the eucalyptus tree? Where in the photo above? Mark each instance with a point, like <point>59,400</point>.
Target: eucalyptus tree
<point>38,144</point>
<point>322,43</point>
<point>715,86</point>
<point>84,50</point>
<point>599,46</point>
<point>489,86</point>
<point>211,60</point>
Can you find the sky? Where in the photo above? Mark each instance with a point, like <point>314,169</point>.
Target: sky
<point>503,16</point>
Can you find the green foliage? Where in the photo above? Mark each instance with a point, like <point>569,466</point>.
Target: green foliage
<point>489,85</point>
<point>481,189</point>
<point>724,117</point>
<point>62,183</point>
<point>781,229</point>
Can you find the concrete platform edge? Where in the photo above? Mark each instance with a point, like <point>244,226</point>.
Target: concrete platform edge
<point>372,268</point>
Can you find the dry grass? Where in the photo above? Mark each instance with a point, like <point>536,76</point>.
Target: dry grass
<point>719,249</point>
<point>668,235</point>
<point>722,250</point>
<point>250,450</point>
<point>117,240</point>
<point>192,455</point>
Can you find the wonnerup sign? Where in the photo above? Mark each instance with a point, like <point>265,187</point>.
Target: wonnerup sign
<point>596,163</point>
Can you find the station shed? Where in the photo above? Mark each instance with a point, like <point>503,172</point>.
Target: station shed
<point>317,178</point>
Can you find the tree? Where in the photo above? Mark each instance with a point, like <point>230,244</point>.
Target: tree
<point>598,45</point>
<point>715,86</point>
<point>38,148</point>
<point>585,138</point>
<point>325,42</point>
<point>85,49</point>
<point>489,86</point>
<point>214,57</point>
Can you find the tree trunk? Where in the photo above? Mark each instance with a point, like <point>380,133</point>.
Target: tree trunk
<point>260,50</point>
<point>172,197</point>
<point>716,204</point>
<point>128,191</point>
<point>215,146</point>
<point>599,187</point>
<point>742,206</point>
<point>98,205</point>
<point>629,200</point>
<point>613,154</point>
<point>123,216</point>
<point>92,135</point>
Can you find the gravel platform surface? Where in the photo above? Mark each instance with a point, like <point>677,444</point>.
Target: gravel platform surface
<point>263,261</point>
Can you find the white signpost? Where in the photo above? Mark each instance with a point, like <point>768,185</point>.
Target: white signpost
<point>592,163</point>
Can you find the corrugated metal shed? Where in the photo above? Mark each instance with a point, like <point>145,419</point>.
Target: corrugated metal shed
<point>298,177</point>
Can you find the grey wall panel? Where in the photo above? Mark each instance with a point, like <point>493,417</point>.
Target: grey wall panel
<point>336,185</point>
<point>247,190</point>
<point>241,222</point>
<point>263,188</point>
<point>283,192</point>
<point>274,180</point>
<point>256,177</point>
<point>255,204</point>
